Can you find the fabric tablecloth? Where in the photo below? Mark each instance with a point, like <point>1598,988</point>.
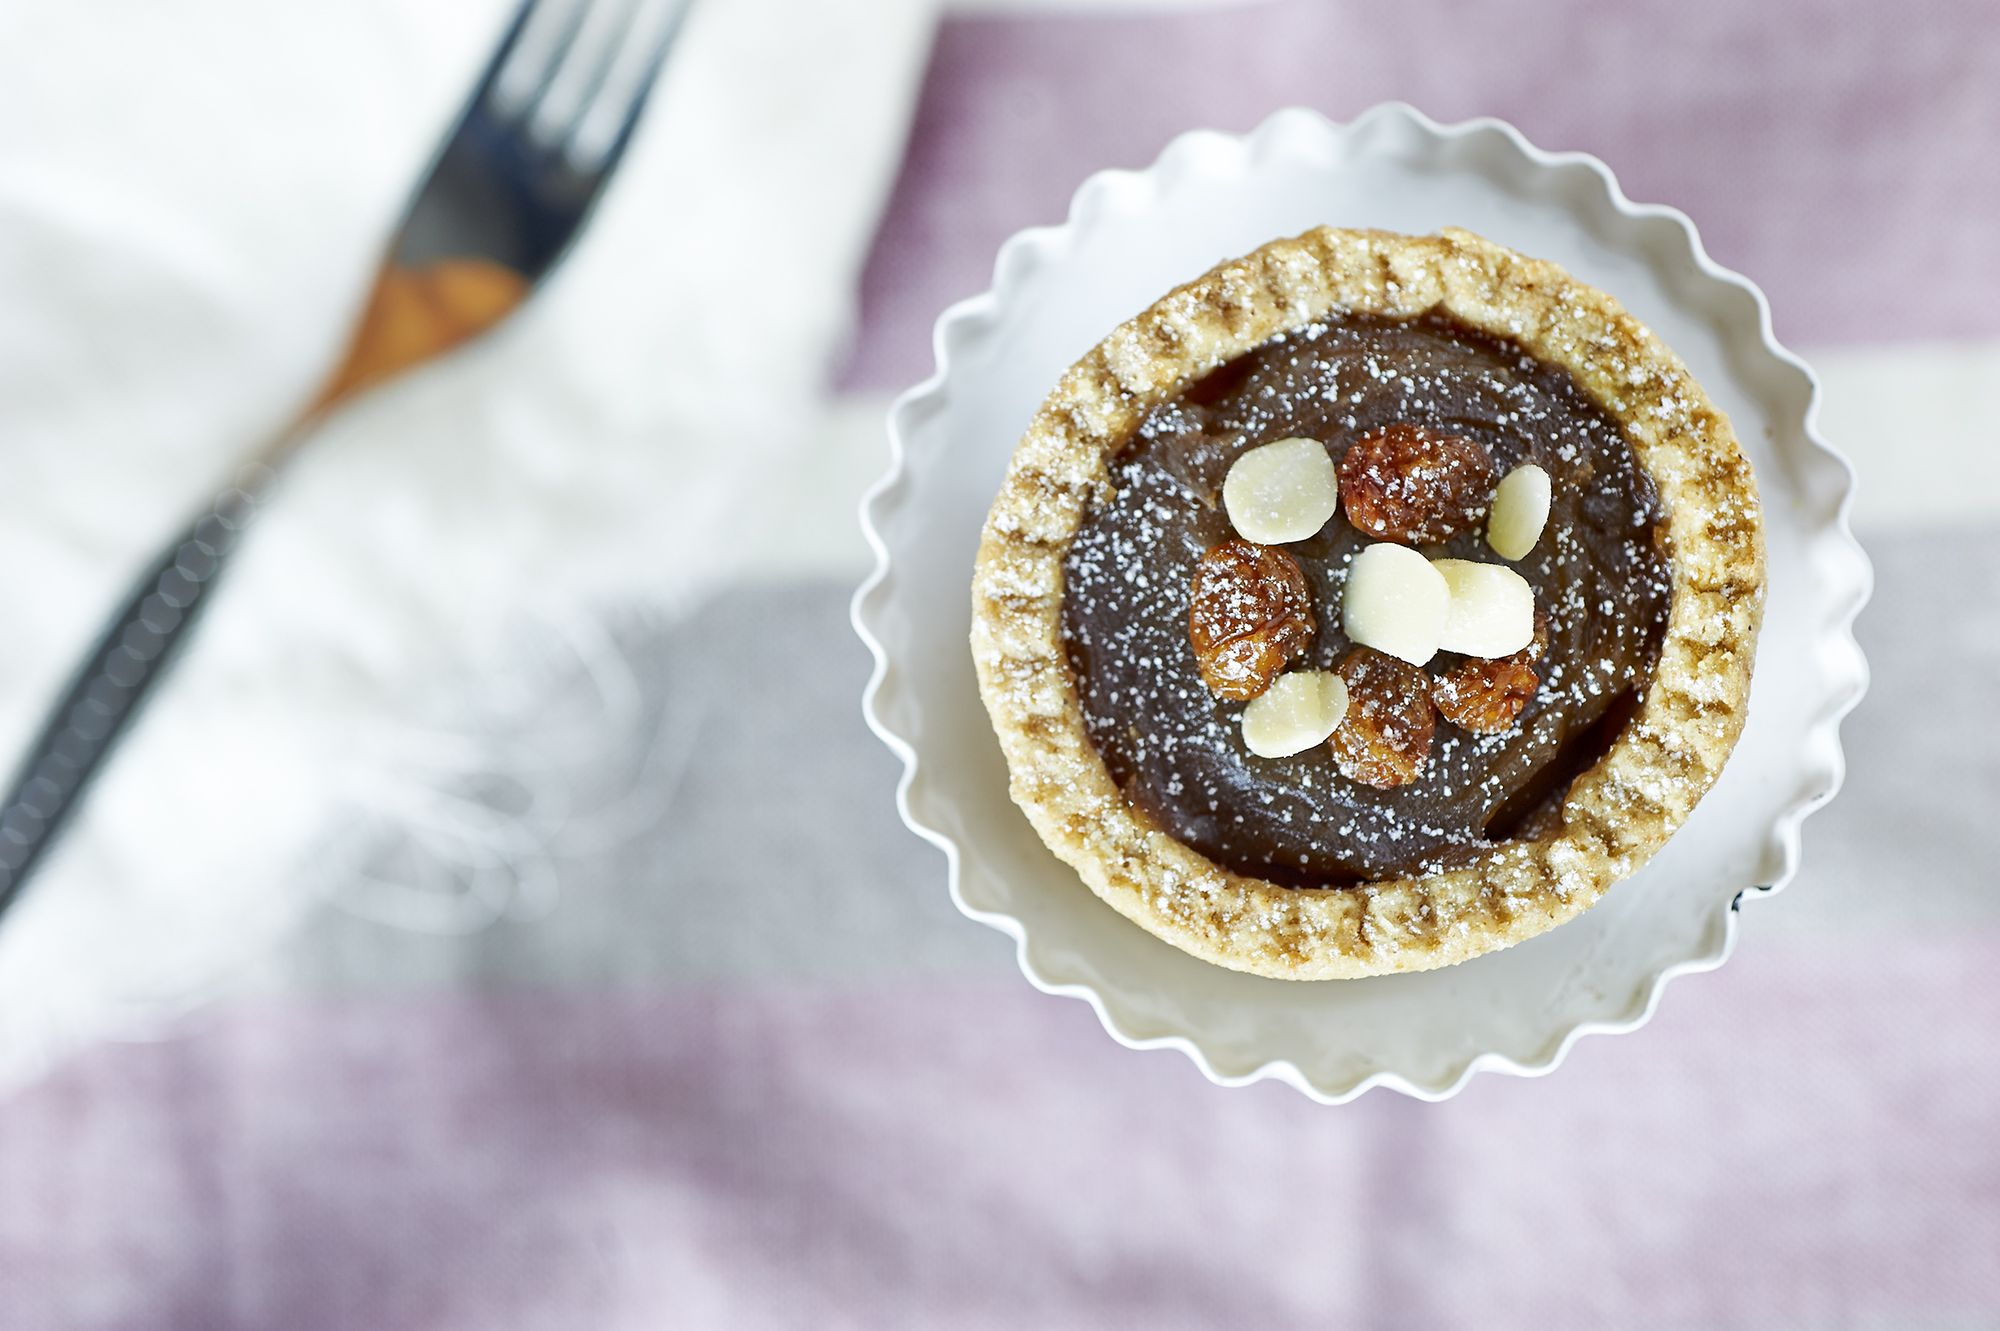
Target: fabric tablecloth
<point>752,1071</point>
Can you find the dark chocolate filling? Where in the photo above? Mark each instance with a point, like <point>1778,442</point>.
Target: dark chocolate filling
<point>1600,573</point>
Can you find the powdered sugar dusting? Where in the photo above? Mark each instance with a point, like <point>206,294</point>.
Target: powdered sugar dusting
<point>1600,573</point>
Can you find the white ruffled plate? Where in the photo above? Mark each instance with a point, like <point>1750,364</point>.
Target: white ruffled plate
<point>1132,235</point>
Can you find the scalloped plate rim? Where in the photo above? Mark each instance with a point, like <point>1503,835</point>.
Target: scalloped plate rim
<point>1786,830</point>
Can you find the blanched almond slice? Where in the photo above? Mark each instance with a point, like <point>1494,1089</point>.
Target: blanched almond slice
<point>1492,608</point>
<point>1298,711</point>
<point>1395,602</point>
<point>1281,492</point>
<point>1520,511</point>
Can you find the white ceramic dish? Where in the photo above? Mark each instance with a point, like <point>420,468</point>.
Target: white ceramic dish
<point>1132,235</point>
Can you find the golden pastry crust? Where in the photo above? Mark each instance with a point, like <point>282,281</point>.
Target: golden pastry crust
<point>1616,815</point>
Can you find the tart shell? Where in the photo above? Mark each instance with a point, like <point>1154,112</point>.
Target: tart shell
<point>1615,815</point>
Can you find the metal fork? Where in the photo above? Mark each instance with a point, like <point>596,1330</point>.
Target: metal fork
<point>504,199</point>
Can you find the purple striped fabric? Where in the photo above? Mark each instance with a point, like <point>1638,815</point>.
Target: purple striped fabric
<point>1842,155</point>
<point>1772,1151</point>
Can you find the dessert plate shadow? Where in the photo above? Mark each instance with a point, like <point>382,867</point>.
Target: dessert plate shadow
<point>1131,236</point>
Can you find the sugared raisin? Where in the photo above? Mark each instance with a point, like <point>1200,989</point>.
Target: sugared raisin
<point>1416,485</point>
<point>1385,738</point>
<point>1251,614</point>
<point>1486,696</point>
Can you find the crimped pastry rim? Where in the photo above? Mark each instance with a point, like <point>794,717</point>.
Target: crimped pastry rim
<point>1617,813</point>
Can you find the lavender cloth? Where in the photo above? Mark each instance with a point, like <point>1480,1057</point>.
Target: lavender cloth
<point>755,1074</point>
<point>1842,155</point>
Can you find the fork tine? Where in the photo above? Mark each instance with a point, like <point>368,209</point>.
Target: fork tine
<point>580,70</point>
<point>583,80</point>
<point>518,81</point>
<point>577,142</point>
<point>509,39</point>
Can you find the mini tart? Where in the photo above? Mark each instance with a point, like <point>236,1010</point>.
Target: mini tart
<point>1616,813</point>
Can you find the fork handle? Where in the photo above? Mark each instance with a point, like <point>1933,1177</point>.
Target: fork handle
<point>108,688</point>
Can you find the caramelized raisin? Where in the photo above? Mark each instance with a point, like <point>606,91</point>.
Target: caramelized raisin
<point>1416,485</point>
<point>1251,615</point>
<point>1385,738</point>
<point>1486,696</point>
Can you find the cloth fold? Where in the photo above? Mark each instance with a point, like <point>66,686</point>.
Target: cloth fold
<point>181,259</point>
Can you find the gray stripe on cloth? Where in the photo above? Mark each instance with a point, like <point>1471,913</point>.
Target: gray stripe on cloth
<point>773,850</point>
<point>778,853</point>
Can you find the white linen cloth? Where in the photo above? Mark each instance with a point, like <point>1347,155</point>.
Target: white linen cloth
<point>180,261</point>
